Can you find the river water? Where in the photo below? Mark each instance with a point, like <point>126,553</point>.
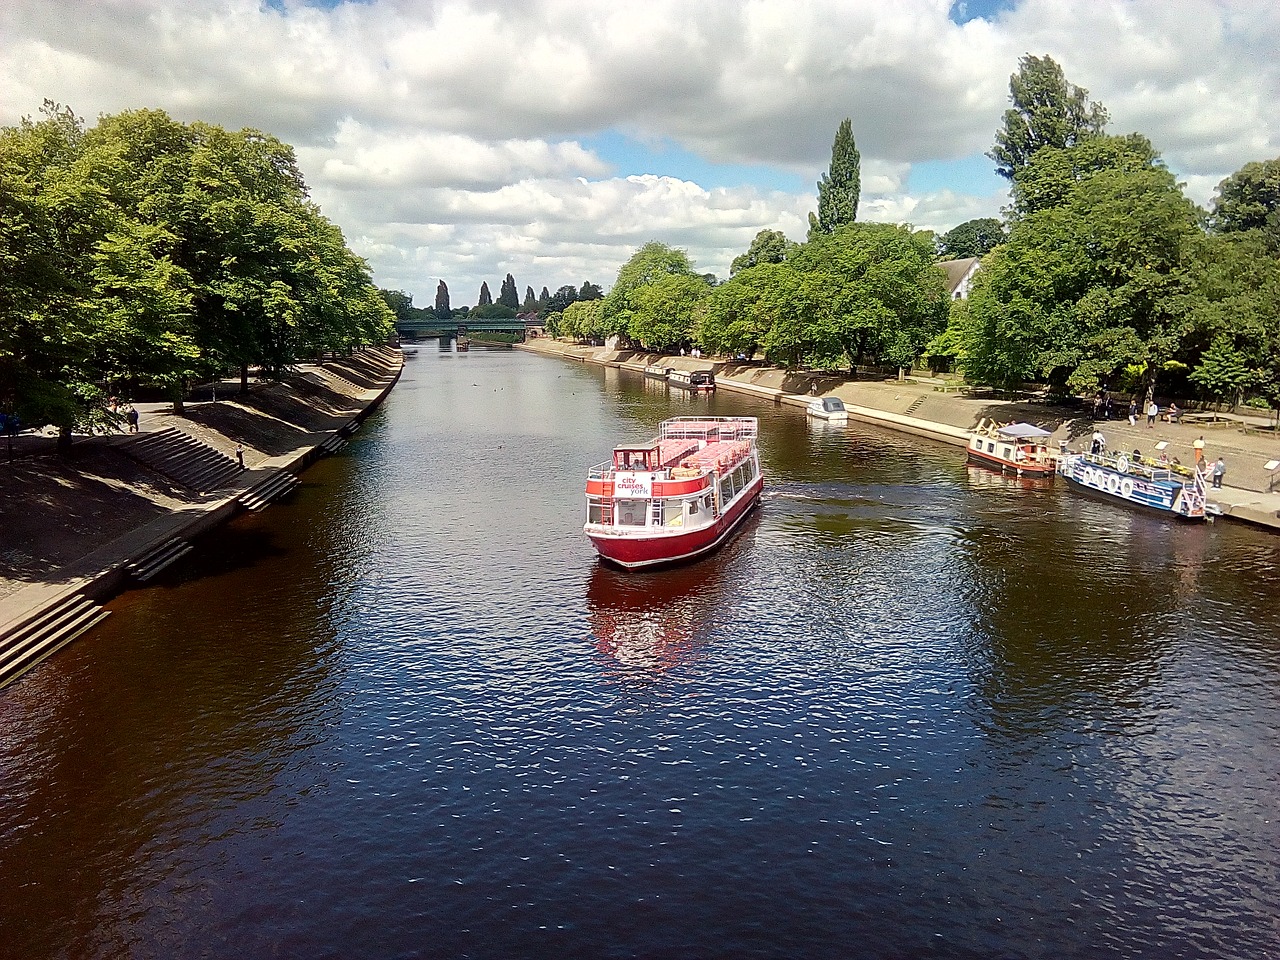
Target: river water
<point>913,710</point>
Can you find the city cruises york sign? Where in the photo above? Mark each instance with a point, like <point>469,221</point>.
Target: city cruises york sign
<point>633,485</point>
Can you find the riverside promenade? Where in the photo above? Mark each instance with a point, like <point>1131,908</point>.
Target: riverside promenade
<point>1250,492</point>
<point>78,529</point>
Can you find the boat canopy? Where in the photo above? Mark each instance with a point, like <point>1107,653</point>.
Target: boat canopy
<point>1018,431</point>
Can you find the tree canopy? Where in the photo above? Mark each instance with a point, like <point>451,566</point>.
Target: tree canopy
<point>769,246</point>
<point>1047,111</point>
<point>973,238</point>
<point>148,252</point>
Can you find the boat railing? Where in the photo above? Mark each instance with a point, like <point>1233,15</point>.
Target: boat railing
<point>718,428</point>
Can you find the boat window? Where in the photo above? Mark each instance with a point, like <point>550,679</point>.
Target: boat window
<point>693,508</point>
<point>991,448</point>
<point>595,511</point>
<point>673,513</point>
<point>632,513</point>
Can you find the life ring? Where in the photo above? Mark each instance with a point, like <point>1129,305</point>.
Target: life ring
<point>1126,488</point>
<point>1113,483</point>
<point>1122,463</point>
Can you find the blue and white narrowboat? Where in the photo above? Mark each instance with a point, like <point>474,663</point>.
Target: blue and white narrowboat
<point>1139,482</point>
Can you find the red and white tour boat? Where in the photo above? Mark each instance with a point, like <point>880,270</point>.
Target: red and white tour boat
<point>677,497</point>
<point>1017,448</point>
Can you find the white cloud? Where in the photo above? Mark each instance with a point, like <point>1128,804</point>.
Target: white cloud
<point>452,139</point>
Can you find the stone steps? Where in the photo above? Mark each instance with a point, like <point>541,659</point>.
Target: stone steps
<point>155,560</point>
<point>30,641</point>
<point>273,488</point>
<point>183,459</point>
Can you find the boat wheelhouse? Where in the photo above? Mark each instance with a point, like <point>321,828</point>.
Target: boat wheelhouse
<point>676,497</point>
<point>828,408</point>
<point>695,381</point>
<point>1017,448</point>
<point>1139,482</point>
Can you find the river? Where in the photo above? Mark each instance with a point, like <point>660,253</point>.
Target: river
<point>913,710</point>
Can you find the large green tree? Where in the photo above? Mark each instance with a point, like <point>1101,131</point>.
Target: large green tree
<point>841,186</point>
<point>1249,199</point>
<point>769,246</point>
<point>973,238</point>
<point>1089,287</point>
<point>647,265</point>
<point>509,296</point>
<point>1046,111</point>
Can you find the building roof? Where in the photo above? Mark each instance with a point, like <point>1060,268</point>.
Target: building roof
<point>957,270</point>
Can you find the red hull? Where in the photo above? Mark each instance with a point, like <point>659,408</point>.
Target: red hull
<point>652,551</point>
<point>1022,468</point>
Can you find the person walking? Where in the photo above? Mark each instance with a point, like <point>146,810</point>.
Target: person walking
<point>1133,412</point>
<point>240,455</point>
<point>1198,447</point>
<point>132,417</point>
<point>1153,411</point>
<point>1219,470</point>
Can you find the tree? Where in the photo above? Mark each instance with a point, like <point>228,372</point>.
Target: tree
<point>485,298</point>
<point>509,297</point>
<point>664,310</point>
<point>1089,286</point>
<point>1047,111</point>
<point>840,186</point>
<point>1249,199</point>
<point>563,297</point>
<point>442,301</point>
<point>651,262</point>
<point>769,246</point>
<point>589,291</point>
<point>973,238</point>
<point>530,304</point>
<point>879,295</point>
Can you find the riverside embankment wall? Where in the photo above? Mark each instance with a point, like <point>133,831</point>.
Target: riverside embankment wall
<point>934,411</point>
<point>123,513</point>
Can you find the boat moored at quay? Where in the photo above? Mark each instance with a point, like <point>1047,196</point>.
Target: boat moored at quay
<point>1140,482</point>
<point>695,381</point>
<point>677,497</point>
<point>1017,448</point>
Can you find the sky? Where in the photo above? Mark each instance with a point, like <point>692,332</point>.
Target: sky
<point>550,139</point>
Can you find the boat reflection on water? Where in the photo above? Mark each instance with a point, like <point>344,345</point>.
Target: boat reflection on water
<point>984,478</point>
<point>651,624</point>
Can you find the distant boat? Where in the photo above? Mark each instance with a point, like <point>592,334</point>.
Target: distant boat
<point>828,408</point>
<point>463,345</point>
<point>695,381</point>
<point>657,373</point>
<point>1017,448</point>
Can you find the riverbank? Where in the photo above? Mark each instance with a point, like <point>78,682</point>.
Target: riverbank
<point>934,411</point>
<point>79,528</point>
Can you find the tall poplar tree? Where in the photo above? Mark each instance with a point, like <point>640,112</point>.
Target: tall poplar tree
<point>442,302</point>
<point>841,186</point>
<point>509,297</point>
<point>486,297</point>
<point>1047,111</point>
<point>530,304</point>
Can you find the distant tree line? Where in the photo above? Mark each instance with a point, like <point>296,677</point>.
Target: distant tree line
<point>507,306</point>
<point>144,252</point>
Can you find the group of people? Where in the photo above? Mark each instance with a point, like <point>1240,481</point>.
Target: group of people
<point>1098,444</point>
<point>129,410</point>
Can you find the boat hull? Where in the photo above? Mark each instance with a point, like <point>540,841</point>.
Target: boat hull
<point>1020,469</point>
<point>648,550</point>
